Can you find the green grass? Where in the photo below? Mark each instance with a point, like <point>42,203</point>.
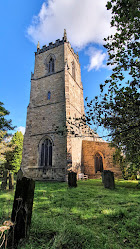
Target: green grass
<point>85,217</point>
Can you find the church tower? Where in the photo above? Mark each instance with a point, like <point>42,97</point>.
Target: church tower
<point>56,95</point>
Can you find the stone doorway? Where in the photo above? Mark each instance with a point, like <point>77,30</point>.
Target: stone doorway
<point>98,163</point>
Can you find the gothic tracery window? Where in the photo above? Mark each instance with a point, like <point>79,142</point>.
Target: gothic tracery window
<point>51,65</point>
<point>73,69</point>
<point>98,163</point>
<point>46,153</point>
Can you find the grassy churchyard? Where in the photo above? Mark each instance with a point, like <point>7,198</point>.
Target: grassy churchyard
<point>85,217</point>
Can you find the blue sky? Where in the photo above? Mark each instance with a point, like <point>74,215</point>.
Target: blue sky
<point>23,23</point>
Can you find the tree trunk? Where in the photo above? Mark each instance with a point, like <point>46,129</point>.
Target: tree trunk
<point>11,180</point>
<point>108,179</point>
<point>22,210</point>
<point>72,179</point>
<point>4,180</point>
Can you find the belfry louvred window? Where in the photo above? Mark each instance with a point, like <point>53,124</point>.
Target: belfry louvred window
<point>46,153</point>
<point>73,69</point>
<point>51,65</point>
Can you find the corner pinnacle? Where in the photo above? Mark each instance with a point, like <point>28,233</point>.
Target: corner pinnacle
<point>65,35</point>
<point>38,45</point>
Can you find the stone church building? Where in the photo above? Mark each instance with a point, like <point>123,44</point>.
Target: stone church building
<point>54,142</point>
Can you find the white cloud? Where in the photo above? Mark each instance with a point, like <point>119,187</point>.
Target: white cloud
<point>86,21</point>
<point>97,59</point>
<point>22,129</point>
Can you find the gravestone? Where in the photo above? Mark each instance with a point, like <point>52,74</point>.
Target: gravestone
<point>22,210</point>
<point>11,181</point>
<point>4,180</point>
<point>108,179</point>
<point>72,179</point>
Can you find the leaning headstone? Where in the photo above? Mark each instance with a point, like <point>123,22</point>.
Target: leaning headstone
<point>11,181</point>
<point>108,179</point>
<point>4,180</point>
<point>72,179</point>
<point>22,210</point>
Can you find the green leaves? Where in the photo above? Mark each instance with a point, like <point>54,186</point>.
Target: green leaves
<point>14,154</point>
<point>4,123</point>
<point>109,5</point>
<point>118,108</point>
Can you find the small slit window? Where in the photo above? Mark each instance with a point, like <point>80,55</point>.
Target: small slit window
<point>49,95</point>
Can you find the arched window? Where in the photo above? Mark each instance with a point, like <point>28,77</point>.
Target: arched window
<point>73,69</point>
<point>49,95</point>
<point>98,163</point>
<point>51,65</point>
<point>46,153</point>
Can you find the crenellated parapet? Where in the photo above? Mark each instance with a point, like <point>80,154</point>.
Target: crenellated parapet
<point>50,46</point>
<point>57,138</point>
<point>57,43</point>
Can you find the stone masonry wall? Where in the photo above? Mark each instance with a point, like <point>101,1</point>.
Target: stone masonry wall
<point>74,106</point>
<point>89,149</point>
<point>46,117</point>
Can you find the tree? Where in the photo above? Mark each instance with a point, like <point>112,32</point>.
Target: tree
<point>118,106</point>
<point>11,152</point>
<point>14,154</point>
<point>4,123</point>
<point>4,147</point>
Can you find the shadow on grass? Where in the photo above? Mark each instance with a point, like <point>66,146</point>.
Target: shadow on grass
<point>85,217</point>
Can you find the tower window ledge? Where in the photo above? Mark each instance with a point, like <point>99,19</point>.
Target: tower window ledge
<point>50,73</point>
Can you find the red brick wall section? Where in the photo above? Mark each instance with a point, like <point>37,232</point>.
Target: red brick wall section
<point>89,149</point>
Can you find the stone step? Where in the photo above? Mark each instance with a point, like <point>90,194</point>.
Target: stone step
<point>95,176</point>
